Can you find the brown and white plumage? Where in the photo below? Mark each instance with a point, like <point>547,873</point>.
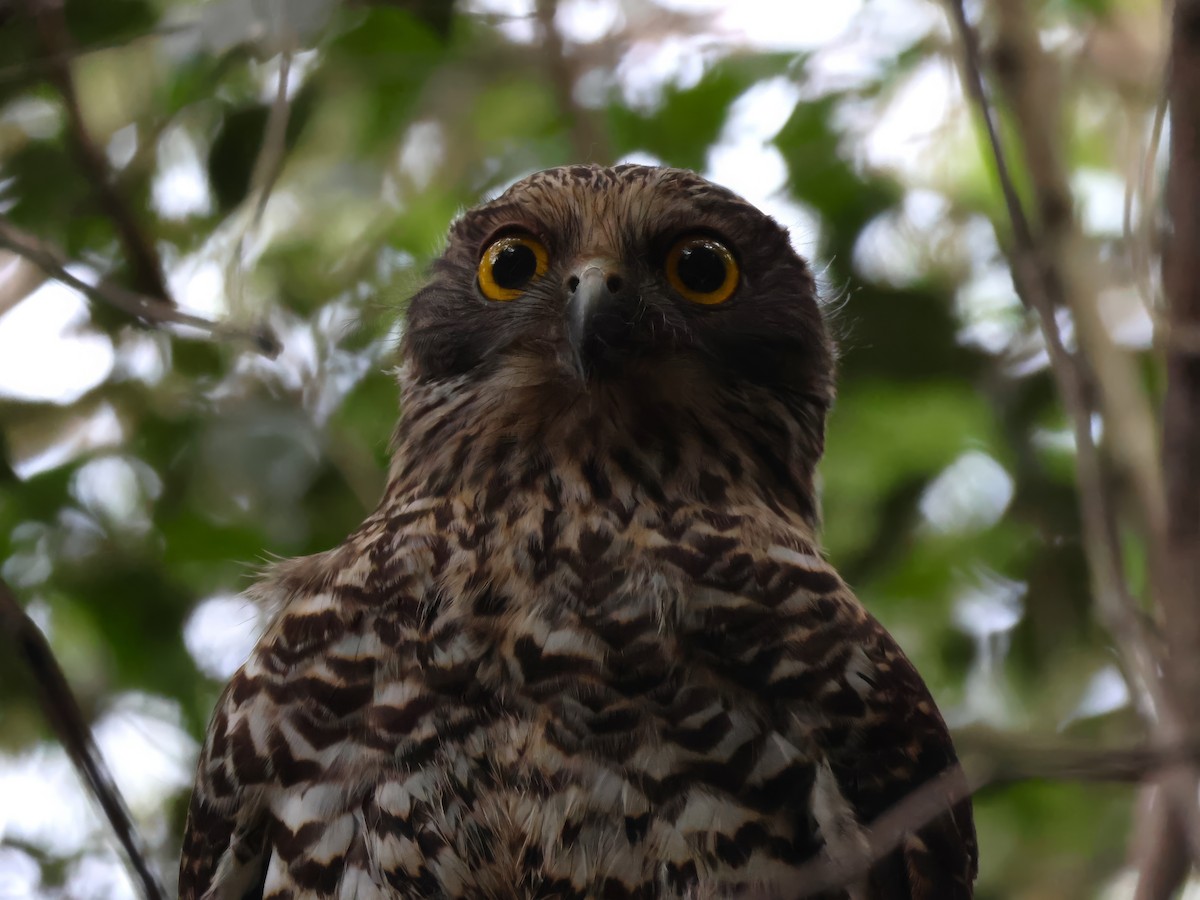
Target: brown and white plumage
<point>587,645</point>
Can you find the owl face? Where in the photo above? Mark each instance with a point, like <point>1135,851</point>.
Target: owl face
<point>601,276</point>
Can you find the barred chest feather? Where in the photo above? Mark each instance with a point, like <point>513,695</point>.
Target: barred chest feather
<point>571,701</point>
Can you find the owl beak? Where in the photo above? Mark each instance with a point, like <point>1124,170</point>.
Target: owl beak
<point>594,320</point>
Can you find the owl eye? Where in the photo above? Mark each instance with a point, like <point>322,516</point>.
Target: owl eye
<point>509,264</point>
<point>702,269</point>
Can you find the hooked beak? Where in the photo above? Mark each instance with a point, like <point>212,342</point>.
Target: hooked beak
<point>595,320</point>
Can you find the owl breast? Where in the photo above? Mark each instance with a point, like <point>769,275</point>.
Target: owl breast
<point>565,719</point>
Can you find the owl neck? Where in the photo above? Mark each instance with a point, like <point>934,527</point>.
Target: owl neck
<point>620,445</point>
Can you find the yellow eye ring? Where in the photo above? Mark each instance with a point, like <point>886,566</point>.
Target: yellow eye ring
<point>702,269</point>
<point>509,264</point>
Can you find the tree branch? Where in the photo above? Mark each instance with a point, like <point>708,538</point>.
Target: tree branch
<point>994,762</point>
<point>1031,83</point>
<point>62,711</point>
<point>1181,414</point>
<point>54,262</point>
<point>1179,587</point>
<point>1040,285</point>
<point>140,252</point>
<point>1038,294</point>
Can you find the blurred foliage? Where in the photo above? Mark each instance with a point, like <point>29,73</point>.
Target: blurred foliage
<point>133,502</point>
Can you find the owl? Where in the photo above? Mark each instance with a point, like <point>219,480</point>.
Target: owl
<point>587,645</point>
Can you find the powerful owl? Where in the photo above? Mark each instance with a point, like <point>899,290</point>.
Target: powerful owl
<point>587,645</point>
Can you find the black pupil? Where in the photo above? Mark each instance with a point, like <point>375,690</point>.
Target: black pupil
<point>701,268</point>
<point>513,266</point>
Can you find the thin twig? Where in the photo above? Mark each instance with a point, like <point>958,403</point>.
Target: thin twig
<point>267,166</point>
<point>54,262</point>
<point>62,711</point>
<point>269,162</point>
<point>1000,765</point>
<point>1141,189</point>
<point>144,262</point>
<point>823,875</point>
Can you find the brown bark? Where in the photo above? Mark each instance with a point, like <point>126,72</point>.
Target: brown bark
<point>1178,585</point>
<point>1181,409</point>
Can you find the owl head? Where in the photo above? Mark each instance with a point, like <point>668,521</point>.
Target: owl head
<point>640,298</point>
